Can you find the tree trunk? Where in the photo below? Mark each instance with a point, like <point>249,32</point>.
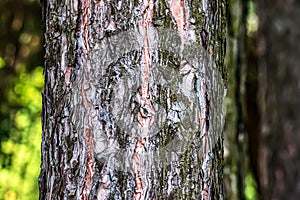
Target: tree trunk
<point>279,73</point>
<point>133,101</point>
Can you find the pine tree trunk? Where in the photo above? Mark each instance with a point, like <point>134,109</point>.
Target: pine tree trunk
<point>133,101</point>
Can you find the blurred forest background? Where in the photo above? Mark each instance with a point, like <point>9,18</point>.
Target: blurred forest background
<point>21,85</point>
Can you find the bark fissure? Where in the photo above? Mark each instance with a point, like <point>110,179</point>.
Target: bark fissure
<point>147,113</point>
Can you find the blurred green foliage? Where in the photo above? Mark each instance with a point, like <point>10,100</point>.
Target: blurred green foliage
<point>20,152</point>
<point>251,187</point>
<point>21,84</point>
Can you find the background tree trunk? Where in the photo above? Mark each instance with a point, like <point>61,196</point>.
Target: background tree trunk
<point>133,100</point>
<point>279,99</point>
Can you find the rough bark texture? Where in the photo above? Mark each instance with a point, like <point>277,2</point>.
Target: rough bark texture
<point>279,73</point>
<point>133,102</point>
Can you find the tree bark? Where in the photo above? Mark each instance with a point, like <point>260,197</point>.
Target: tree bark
<point>133,101</point>
<point>279,99</point>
